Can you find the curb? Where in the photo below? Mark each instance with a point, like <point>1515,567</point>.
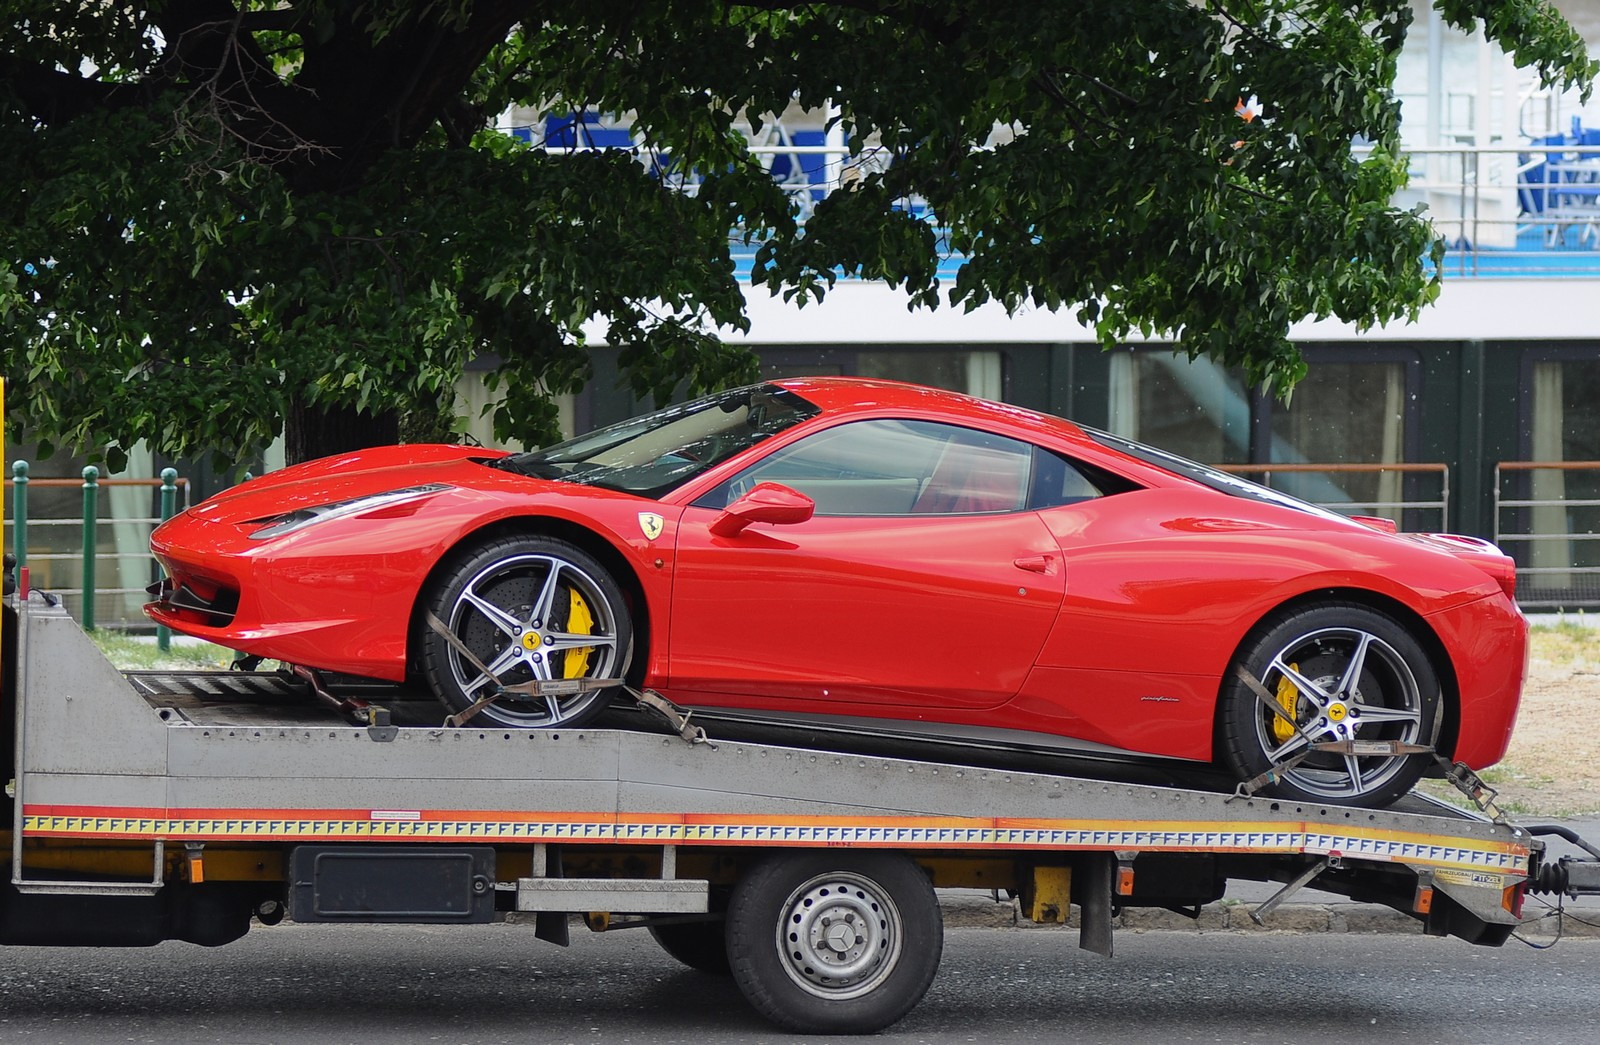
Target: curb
<point>982,912</point>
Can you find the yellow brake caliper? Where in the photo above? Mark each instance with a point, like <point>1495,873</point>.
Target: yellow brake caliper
<point>1289,700</point>
<point>579,622</point>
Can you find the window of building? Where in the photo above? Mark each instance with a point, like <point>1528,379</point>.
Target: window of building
<point>1192,407</point>
<point>973,371</point>
<point>1347,412</point>
<point>1356,406</point>
<point>1558,549</point>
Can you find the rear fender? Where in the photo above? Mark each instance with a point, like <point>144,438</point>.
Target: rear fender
<point>1406,617</point>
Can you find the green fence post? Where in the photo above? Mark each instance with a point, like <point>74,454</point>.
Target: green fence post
<point>19,513</point>
<point>91,544</point>
<point>169,505</point>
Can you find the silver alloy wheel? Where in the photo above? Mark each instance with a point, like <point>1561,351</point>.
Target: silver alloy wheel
<point>840,936</point>
<point>516,615</point>
<point>1345,684</point>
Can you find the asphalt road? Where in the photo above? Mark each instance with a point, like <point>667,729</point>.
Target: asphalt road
<point>402,985</point>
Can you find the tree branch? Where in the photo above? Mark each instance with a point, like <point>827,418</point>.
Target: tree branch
<point>52,96</point>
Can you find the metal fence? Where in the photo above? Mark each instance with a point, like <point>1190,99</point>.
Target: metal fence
<point>1546,517</point>
<point>105,554</point>
<point>1415,496</point>
<point>1513,211</point>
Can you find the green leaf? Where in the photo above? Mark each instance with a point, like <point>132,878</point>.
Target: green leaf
<point>200,246</point>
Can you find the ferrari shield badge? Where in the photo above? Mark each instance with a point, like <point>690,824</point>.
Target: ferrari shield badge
<point>651,524</point>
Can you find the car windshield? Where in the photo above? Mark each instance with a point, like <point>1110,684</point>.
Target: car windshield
<point>657,453</point>
<point>1217,480</point>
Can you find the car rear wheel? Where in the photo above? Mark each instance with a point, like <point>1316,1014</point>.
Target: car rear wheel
<point>526,608</point>
<point>1343,672</point>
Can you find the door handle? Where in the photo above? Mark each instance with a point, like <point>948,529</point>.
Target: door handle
<point>1036,563</point>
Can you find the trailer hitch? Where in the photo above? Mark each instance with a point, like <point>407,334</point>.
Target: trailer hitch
<point>1571,875</point>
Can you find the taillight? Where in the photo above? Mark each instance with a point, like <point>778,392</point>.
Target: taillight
<point>1481,553</point>
<point>1505,575</point>
<point>1375,522</point>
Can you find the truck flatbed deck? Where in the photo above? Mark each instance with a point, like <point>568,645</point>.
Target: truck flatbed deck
<point>154,805</point>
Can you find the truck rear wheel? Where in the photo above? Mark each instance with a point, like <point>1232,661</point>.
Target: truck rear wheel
<point>828,942</point>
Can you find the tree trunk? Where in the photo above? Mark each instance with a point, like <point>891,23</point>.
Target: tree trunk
<point>310,432</point>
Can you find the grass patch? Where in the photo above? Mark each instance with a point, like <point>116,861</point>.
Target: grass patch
<point>1565,643</point>
<point>1521,805</point>
<point>1521,793</point>
<point>1577,628</point>
<point>140,653</point>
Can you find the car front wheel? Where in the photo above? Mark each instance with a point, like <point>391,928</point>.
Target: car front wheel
<point>525,608</point>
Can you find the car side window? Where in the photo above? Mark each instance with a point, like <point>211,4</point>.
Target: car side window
<point>896,467</point>
<point>1058,481</point>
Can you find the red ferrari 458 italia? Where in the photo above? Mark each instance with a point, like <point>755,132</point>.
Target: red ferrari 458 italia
<point>857,549</point>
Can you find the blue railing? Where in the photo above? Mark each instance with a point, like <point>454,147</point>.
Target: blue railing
<point>1528,211</point>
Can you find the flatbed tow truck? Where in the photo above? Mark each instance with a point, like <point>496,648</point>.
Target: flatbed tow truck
<point>147,806</point>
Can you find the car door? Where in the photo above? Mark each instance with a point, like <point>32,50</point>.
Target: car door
<point>922,580</point>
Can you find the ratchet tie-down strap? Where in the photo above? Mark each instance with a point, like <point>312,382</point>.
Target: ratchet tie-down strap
<point>1458,773</point>
<point>536,689</point>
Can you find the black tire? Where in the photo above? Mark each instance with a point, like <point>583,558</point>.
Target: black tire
<point>702,946</point>
<point>823,942</point>
<point>499,600</point>
<point>1304,658</point>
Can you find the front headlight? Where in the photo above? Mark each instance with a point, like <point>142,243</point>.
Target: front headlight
<point>300,518</point>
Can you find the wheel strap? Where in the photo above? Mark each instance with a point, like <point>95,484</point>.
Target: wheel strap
<point>1248,788</point>
<point>1270,702</point>
<point>527,691</point>
<point>1471,784</point>
<point>675,715</point>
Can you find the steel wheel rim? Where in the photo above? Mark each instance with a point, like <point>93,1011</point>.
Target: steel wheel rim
<point>1354,684</point>
<point>840,936</point>
<point>513,614</point>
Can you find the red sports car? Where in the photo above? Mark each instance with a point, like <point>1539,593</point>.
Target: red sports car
<point>872,550</point>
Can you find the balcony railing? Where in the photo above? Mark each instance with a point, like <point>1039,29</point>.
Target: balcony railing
<point>1528,210</point>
